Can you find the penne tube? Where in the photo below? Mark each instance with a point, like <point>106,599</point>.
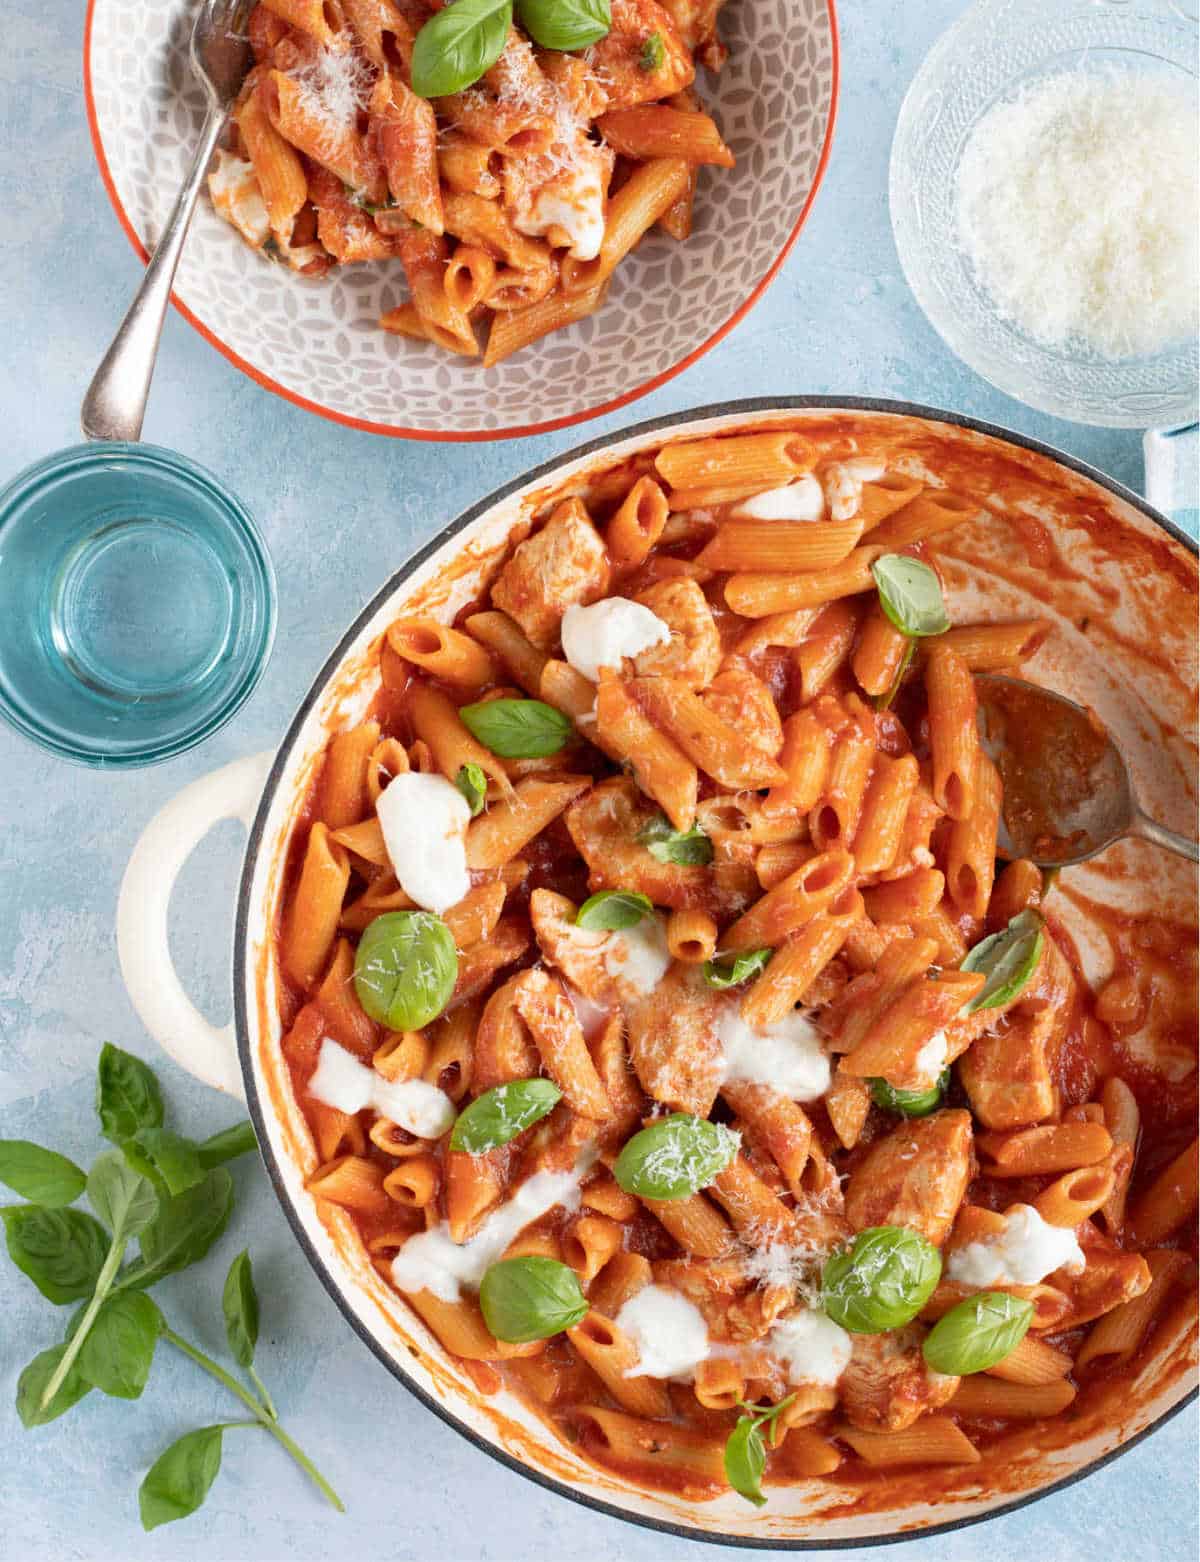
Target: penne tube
<point>752,1205</point>
<point>542,1003</point>
<point>622,1277</point>
<point>1032,1361</point>
<point>826,648</point>
<point>691,936</point>
<point>1170,1199</point>
<point>654,130</point>
<point>498,835</point>
<point>890,1048</point>
<point>589,1243</point>
<point>794,901</point>
<point>796,965</point>
<point>436,722</point>
<point>953,735</point>
<point>885,495</point>
<point>1055,1147</point>
<point>916,895</point>
<point>342,791</point>
<point>612,1355</point>
<point>834,820</point>
<point>1122,1118</point>
<point>982,1396</point>
<point>777,1125</point>
<point>522,660</point>
<point>353,1183</point>
<point>637,524</point>
<point>663,769</point>
<point>698,1228</point>
<point>931,1440</point>
<point>931,512</point>
<point>746,462</point>
<point>884,810</point>
<point>1076,1195</point>
<point>783,546</point>
<point>516,328</point>
<point>755,594</point>
<point>994,647</point>
<point>971,843</point>
<point>311,921</point>
<point>1016,888</point>
<point>1121,1331</point>
<point>649,191</point>
<point>444,653</point>
<point>804,758</point>
<point>634,1443</point>
<point>880,652</point>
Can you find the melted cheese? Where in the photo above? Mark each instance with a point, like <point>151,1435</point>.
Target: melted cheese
<point>669,1333</point>
<point>424,821</point>
<point>432,1261</point>
<point>233,186</point>
<point>788,1056</point>
<point>844,485</point>
<point>1026,1251</point>
<point>812,1348</point>
<point>637,957</point>
<point>803,500</point>
<point>344,1083</point>
<point>931,1059</point>
<point>606,632</point>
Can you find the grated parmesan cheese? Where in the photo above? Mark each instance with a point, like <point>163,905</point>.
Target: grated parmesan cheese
<point>1077,207</point>
<point>334,90</point>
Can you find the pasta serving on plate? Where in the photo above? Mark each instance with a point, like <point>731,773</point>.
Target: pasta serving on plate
<point>665,1021</point>
<point>509,165</point>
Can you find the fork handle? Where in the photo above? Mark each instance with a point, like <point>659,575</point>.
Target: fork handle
<point>1148,830</point>
<point>115,404</point>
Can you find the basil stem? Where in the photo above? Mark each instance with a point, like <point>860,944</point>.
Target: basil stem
<point>259,1413</point>
<point>104,1281</point>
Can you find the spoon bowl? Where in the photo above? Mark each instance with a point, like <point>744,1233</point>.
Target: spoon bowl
<point>1067,791</point>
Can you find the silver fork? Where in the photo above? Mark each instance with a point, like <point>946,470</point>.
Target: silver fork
<point>115,404</point>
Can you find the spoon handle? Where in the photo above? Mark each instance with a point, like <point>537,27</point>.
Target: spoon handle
<point>115,403</point>
<point>1149,831</point>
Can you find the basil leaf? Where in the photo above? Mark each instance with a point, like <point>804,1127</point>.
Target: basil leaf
<point>227,1145</point>
<point>911,595</point>
<point>977,1333</point>
<point>182,1231</point>
<point>565,24</point>
<point>499,1115</point>
<point>516,729</point>
<point>239,1302</point>
<point>167,1160</point>
<point>34,1381</point>
<point>745,1460</point>
<point>119,1348</point>
<point>882,1280</point>
<point>178,1481</point>
<point>1008,960</point>
<point>910,1103</point>
<point>675,1157</point>
<point>61,1250</point>
<point>127,1095</point>
<point>688,848</point>
<point>42,1176</point>
<point>472,783</point>
<point>530,1298</point>
<point>612,909</point>
<point>651,57</point>
<point>405,968</point>
<point>455,47</point>
<point>732,972</point>
<point>124,1200</point>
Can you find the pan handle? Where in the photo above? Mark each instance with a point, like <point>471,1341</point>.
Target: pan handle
<point>208,1051</point>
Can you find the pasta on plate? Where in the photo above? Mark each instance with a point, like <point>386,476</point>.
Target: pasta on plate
<point>665,1019</point>
<point>508,194</point>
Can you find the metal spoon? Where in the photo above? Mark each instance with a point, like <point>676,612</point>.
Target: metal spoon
<point>115,403</point>
<point>1067,792</point>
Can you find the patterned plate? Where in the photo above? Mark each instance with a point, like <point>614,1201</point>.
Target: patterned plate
<point>316,342</point>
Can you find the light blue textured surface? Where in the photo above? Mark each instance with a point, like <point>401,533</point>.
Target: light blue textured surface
<point>340,511</point>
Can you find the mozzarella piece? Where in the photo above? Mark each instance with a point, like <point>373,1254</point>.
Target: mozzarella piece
<point>789,1056</point>
<point>844,485</point>
<point>424,821</point>
<point>432,1261</point>
<point>931,1059</point>
<point>1026,1251</point>
<point>803,500</point>
<point>637,957</point>
<point>570,205</point>
<point>669,1332</point>
<point>604,633</point>
<point>233,186</point>
<point>341,1081</point>
<point>812,1348</point>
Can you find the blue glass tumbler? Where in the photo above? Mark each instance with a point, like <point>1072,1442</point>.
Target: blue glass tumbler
<point>137,604</point>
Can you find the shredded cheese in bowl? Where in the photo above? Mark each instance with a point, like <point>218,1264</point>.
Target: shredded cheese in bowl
<point>1077,206</point>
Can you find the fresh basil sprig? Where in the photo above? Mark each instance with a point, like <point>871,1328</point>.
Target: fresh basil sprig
<point>565,24</point>
<point>911,595</point>
<point>500,1114</point>
<point>651,57</point>
<point>687,848</point>
<point>910,1103</point>
<point>675,1157</point>
<point>1008,959</point>
<point>530,1298</point>
<point>732,971</point>
<point>472,783</point>
<point>405,968</point>
<point>745,1451</point>
<point>977,1333</point>
<point>613,909</point>
<point>516,729</point>
<point>881,1281</point>
<point>110,1341</point>
<point>458,44</point>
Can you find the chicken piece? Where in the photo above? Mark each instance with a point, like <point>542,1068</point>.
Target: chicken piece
<point>673,1043</point>
<point>744,702</point>
<point>563,564</point>
<point>576,952</point>
<point>1108,1278</point>
<point>1006,1071</point>
<point>697,24</point>
<point>605,824</point>
<point>693,654</point>
<point>734,1307</point>
<point>916,1176</point>
<point>617,61</point>
<point>887,1385</point>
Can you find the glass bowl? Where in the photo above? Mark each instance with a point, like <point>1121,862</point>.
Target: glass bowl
<point>997,47</point>
<point>137,604</point>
